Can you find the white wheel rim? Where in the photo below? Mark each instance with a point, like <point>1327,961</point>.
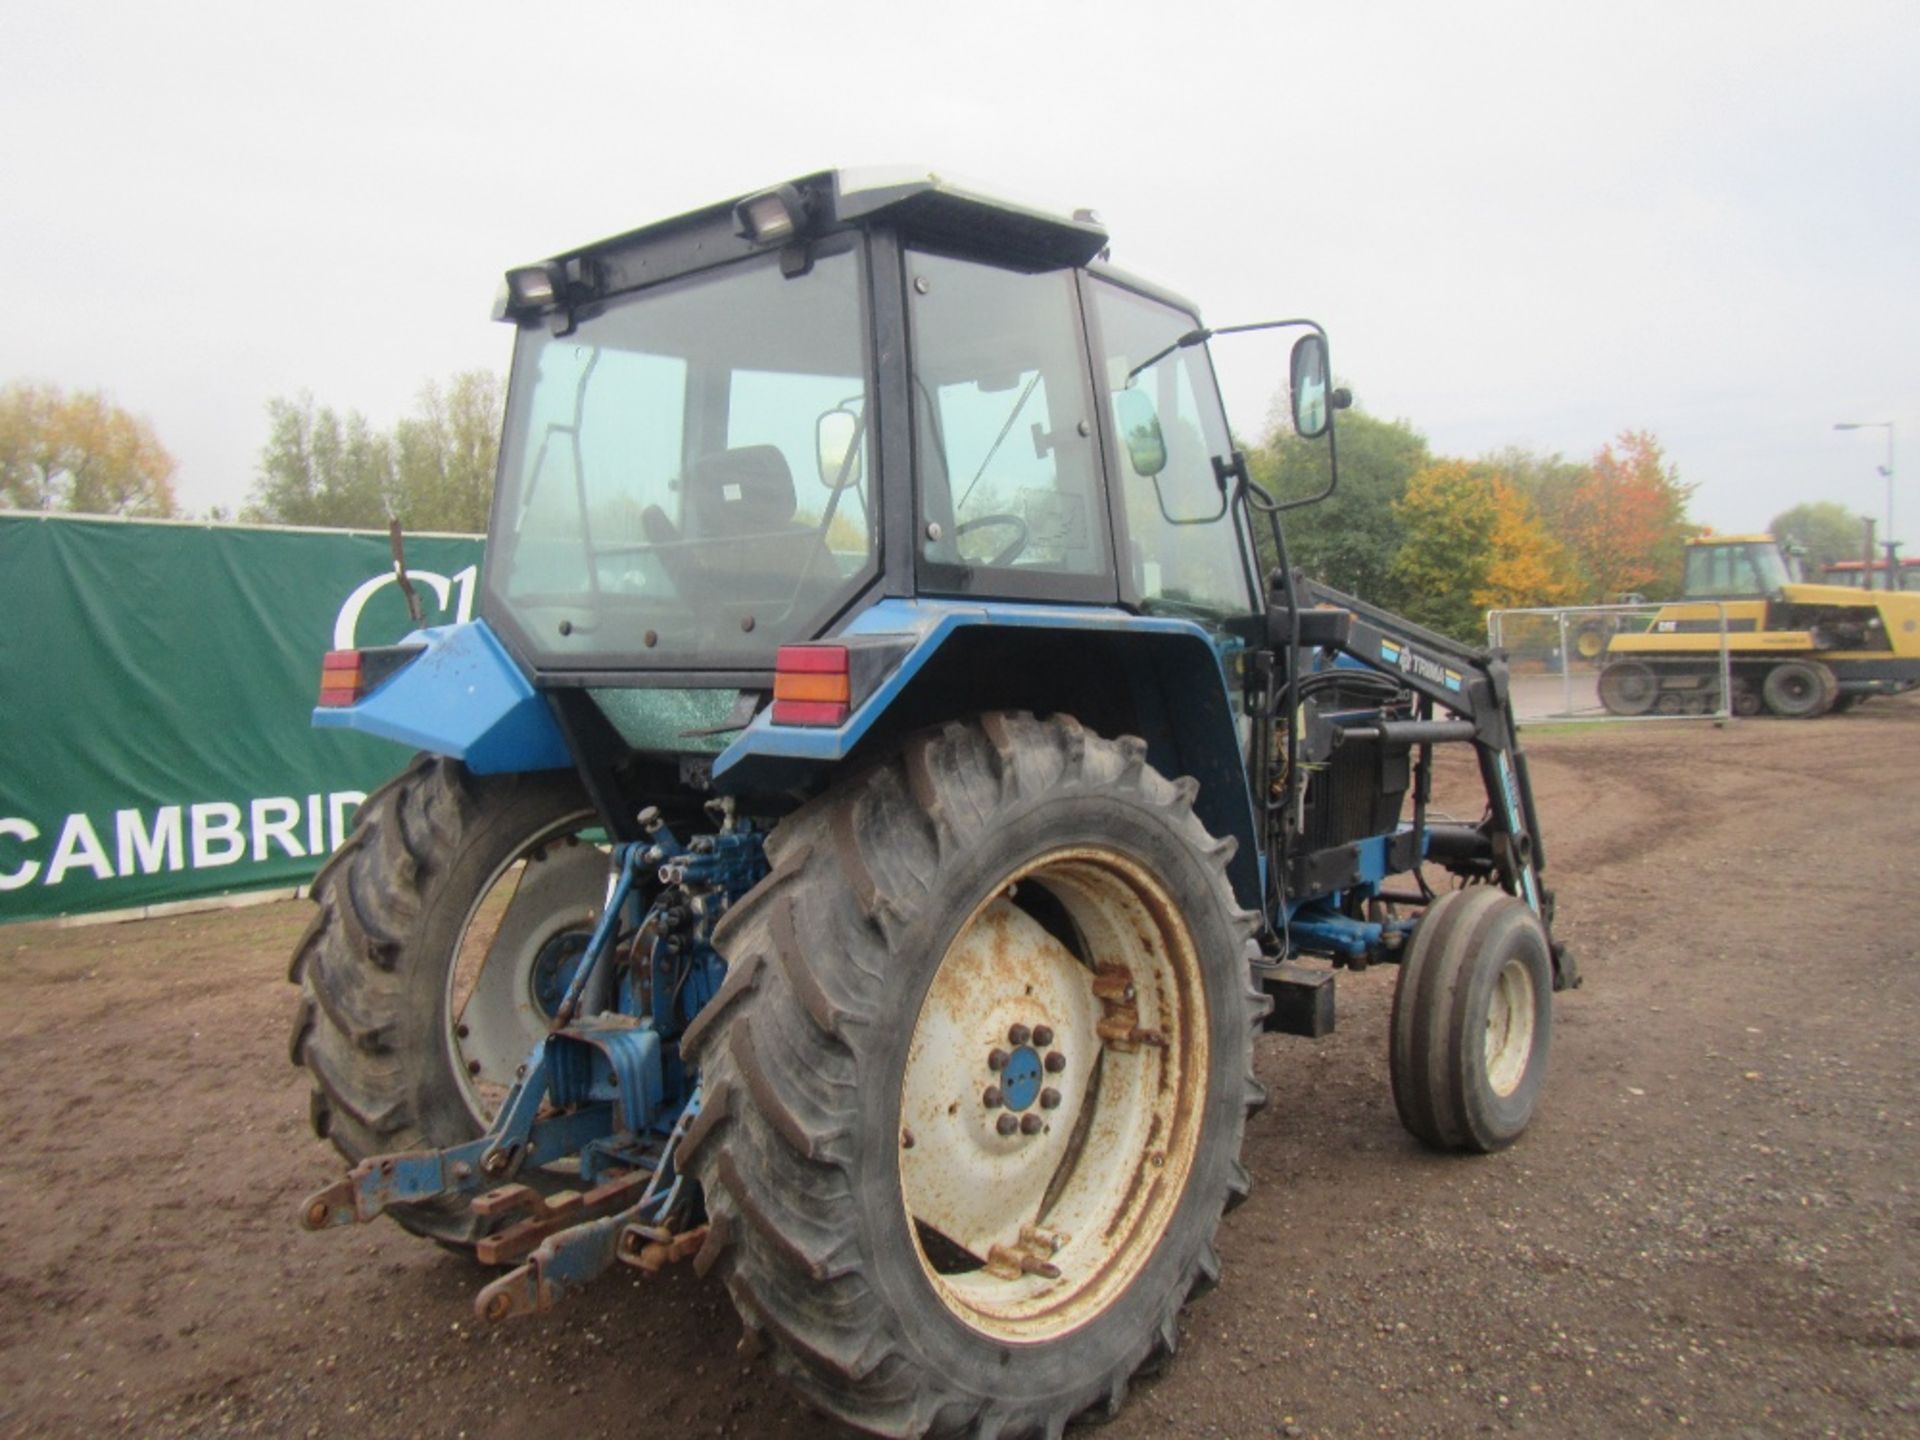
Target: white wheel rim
<point>1035,1232</point>
<point>1509,1042</point>
<point>552,886</point>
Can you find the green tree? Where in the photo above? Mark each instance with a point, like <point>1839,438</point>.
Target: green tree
<point>1450,514</point>
<point>1549,482</point>
<point>80,453</point>
<point>319,468</point>
<point>446,453</point>
<point>1350,539</point>
<point>1825,529</point>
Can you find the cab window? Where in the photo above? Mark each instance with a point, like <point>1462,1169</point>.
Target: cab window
<point>1008,467</point>
<point>1182,547</point>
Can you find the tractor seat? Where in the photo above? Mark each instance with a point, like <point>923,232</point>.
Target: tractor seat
<point>744,491</point>
<point>745,496</point>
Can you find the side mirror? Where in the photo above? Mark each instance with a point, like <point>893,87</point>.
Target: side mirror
<point>1139,426</point>
<point>836,437</point>
<point>1307,387</point>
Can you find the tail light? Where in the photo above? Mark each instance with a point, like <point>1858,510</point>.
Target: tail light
<point>340,678</point>
<point>348,676</point>
<point>812,685</point>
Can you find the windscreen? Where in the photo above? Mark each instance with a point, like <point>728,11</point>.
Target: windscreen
<point>684,480</point>
<point>1737,569</point>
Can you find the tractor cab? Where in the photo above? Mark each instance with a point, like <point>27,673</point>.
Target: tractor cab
<point>712,448</point>
<point>1737,567</point>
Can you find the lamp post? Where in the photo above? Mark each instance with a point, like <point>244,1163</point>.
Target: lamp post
<point>1886,470</point>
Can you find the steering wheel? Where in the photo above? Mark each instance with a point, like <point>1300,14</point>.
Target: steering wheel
<point>981,522</point>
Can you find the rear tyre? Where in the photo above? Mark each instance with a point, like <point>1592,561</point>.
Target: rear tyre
<point>1629,687</point>
<point>1799,689</point>
<point>1472,1022</point>
<point>990,987</point>
<point>448,912</point>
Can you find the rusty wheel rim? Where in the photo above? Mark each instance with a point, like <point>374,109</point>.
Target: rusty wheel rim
<point>549,890</point>
<point>1053,1095</point>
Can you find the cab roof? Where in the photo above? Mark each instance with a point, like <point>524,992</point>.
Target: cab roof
<point>923,203</point>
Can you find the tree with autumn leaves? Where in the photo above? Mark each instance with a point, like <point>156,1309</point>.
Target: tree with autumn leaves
<point>79,452</point>
<point>1625,520</point>
<point>1446,540</point>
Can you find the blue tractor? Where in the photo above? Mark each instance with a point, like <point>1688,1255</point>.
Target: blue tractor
<point>880,802</point>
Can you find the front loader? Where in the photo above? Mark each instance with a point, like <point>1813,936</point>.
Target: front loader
<point>878,806</point>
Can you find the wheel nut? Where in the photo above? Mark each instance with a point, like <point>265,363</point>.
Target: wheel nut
<point>1056,1062</point>
<point>1031,1124</point>
<point>473,1067</point>
<point>1006,1125</point>
<point>991,1097</point>
<point>1043,1035</point>
<point>1049,1099</point>
<point>1018,1034</point>
<point>997,1059</point>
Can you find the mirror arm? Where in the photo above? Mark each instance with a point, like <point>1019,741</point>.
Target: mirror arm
<point>1333,467</point>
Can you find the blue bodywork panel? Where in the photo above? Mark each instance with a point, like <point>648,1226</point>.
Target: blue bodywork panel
<point>1322,927</point>
<point>1174,669</point>
<point>463,697</point>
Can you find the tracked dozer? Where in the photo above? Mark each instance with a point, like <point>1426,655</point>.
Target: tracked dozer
<point>1788,648</point>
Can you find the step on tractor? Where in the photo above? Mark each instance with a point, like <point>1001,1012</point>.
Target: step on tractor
<point>1787,648</point>
<point>881,800</point>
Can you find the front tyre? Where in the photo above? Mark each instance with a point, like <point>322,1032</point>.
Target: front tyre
<point>977,1081</point>
<point>1472,1021</point>
<point>447,920</point>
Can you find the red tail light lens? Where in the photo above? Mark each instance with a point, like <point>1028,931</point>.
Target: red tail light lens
<point>811,685</point>
<point>340,678</point>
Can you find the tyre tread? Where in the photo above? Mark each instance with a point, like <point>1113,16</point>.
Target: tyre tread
<point>778,1191</point>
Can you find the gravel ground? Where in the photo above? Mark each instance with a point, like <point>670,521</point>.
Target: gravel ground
<point>1711,1228</point>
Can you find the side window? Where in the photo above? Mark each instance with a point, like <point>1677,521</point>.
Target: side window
<point>1182,546</point>
<point>1008,469</point>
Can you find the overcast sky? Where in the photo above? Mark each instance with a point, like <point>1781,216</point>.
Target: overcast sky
<point>1528,224</point>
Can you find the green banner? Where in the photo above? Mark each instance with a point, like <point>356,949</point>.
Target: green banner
<point>155,686</point>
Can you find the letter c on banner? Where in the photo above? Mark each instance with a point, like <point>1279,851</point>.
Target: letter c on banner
<point>23,830</point>
<point>348,620</point>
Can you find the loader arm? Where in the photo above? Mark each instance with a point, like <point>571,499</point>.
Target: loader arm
<point>1470,685</point>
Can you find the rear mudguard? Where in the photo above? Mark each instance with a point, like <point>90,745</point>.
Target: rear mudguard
<point>1176,673</point>
<point>464,697</point>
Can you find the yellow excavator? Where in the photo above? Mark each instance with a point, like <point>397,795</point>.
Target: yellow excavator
<point>1792,649</point>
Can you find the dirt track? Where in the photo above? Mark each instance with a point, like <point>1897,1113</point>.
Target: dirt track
<point>1713,1226</point>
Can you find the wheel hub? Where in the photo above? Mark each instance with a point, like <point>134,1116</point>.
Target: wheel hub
<point>1030,1117</point>
<point>1509,1039</point>
<point>1020,1081</point>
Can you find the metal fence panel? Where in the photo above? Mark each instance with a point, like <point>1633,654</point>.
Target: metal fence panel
<point>1558,659</point>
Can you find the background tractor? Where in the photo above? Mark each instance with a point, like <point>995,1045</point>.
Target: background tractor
<point>879,803</point>
<point>1791,648</point>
